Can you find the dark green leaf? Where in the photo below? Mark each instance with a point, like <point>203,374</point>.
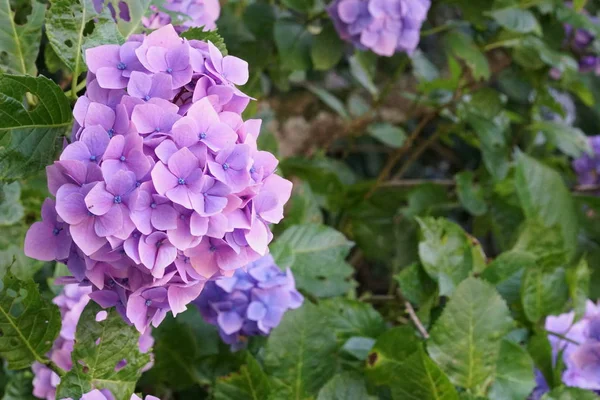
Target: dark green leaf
<point>99,347</point>
<point>506,272</point>
<point>329,99</point>
<point>317,257</point>
<point>579,287</point>
<point>470,196</point>
<point>465,340</point>
<point>249,383</point>
<point>359,69</point>
<point>29,135</point>
<point>302,6</point>
<point>570,140</point>
<point>351,318</point>
<point>517,20</point>
<point>345,386</point>
<point>514,374</point>
<point>415,284</point>
<point>301,351</point>
<point>327,48</point>
<point>293,43</point>
<point>391,348</point>
<point>544,291</point>
<point>388,134</point>
<point>198,33</point>
<point>540,350</point>
<point>19,386</point>
<point>462,46</point>
<point>28,323</point>
<point>20,44</point>
<point>570,393</point>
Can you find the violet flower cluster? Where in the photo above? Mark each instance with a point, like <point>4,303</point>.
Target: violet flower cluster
<point>383,26</point>
<point>105,394</point>
<point>587,166</point>
<point>250,303</point>
<point>71,302</point>
<point>581,43</point>
<point>188,13</point>
<point>163,187</point>
<point>580,353</point>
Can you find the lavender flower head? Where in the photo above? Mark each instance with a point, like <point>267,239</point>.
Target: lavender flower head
<point>580,353</point>
<point>71,302</point>
<point>251,302</point>
<point>190,13</point>
<point>383,26</point>
<point>587,166</point>
<point>582,43</point>
<point>162,188</point>
<point>105,394</point>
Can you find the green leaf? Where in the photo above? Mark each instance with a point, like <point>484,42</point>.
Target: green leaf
<point>579,5</point>
<point>213,36</point>
<point>351,318</point>
<point>293,42</point>
<point>99,347</point>
<point>447,254</point>
<point>302,6</point>
<point>391,348</point>
<point>303,206</point>
<point>301,352</point>
<point>28,323</point>
<point>514,374</point>
<point>494,146</point>
<point>422,68</point>
<point>570,140</point>
<point>329,99</point>
<point>470,196</point>
<point>465,340</point>
<point>578,279</point>
<point>540,350</point>
<point>316,256</point>
<point>360,70</point>
<point>344,386</point>
<point>463,47</point>
<point>19,386</point>
<point>416,286</point>
<point>388,134</point>
<point>327,48</point>
<point>544,291</point>
<point>249,383</point>
<point>29,135</point>
<point>11,209</point>
<point>570,393</point>
<point>20,44</point>
<point>133,24</point>
<point>506,272</point>
<point>66,29</point>
<point>545,197</point>
<point>517,20</point>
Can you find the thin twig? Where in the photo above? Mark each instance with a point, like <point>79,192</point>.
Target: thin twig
<point>417,153</point>
<point>413,316</point>
<point>587,188</point>
<point>408,183</point>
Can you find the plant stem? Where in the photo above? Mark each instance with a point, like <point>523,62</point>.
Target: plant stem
<point>50,364</point>
<point>413,316</point>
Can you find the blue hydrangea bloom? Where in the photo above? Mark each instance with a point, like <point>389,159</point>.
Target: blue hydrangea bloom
<point>251,302</point>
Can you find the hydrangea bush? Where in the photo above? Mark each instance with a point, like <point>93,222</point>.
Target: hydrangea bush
<point>370,199</point>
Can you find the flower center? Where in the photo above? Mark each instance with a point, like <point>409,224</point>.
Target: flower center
<point>121,66</point>
<point>148,303</point>
<point>169,70</point>
<point>212,249</point>
<point>138,184</point>
<point>92,158</point>
<point>202,136</point>
<point>146,98</point>
<point>182,217</point>
<point>122,158</point>
<point>157,130</point>
<point>111,133</point>
<point>181,181</point>
<point>55,231</point>
<point>117,199</point>
<point>252,170</point>
<point>153,205</point>
<point>225,166</point>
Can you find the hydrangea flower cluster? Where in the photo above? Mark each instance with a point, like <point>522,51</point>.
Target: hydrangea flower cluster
<point>105,394</point>
<point>250,303</point>
<point>581,43</point>
<point>383,26</point>
<point>580,353</point>
<point>587,166</point>
<point>71,302</point>
<point>163,187</point>
<point>190,13</point>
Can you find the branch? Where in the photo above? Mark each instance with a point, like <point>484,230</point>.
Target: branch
<point>587,188</point>
<point>413,316</point>
<point>409,183</point>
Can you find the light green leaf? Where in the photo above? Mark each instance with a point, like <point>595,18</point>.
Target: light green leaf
<point>579,5</point>
<point>11,209</point>
<point>316,256</point>
<point>329,99</point>
<point>137,9</point>
<point>99,347</point>
<point>545,197</point>
<point>29,135</point>
<point>249,383</point>
<point>570,140</point>
<point>28,323</point>
<point>463,47</point>
<point>388,134</point>
<point>303,206</point>
<point>447,253</point>
<point>391,348</point>
<point>517,20</point>
<point>544,291</point>
<point>301,352</point>
<point>360,70</point>
<point>20,44</point>
<point>66,29</point>
<point>416,286</point>
<point>351,318</point>
<point>422,68</point>
<point>344,386</point>
<point>213,36</point>
<point>514,374</point>
<point>470,196</point>
<point>570,393</point>
<point>293,42</point>
<point>506,272</point>
<point>327,48</point>
<point>579,287</point>
<point>465,340</point>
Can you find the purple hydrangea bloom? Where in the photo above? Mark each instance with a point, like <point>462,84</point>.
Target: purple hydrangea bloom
<point>191,13</point>
<point>581,43</point>
<point>163,187</point>
<point>71,302</point>
<point>383,26</point>
<point>580,353</point>
<point>251,302</point>
<point>105,394</point>
<point>587,166</point>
